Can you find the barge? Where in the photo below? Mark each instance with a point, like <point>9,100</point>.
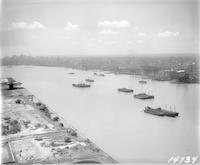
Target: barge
<point>81,85</point>
<point>143,96</point>
<point>126,90</point>
<point>89,80</point>
<point>160,112</point>
<point>142,81</point>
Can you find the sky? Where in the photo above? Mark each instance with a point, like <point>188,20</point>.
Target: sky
<point>98,27</point>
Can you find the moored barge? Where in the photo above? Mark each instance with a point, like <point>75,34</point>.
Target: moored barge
<point>126,90</point>
<point>89,80</point>
<point>143,96</point>
<point>160,112</point>
<point>81,85</point>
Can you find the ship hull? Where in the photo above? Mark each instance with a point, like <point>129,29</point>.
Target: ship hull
<point>125,90</point>
<point>154,113</point>
<point>80,86</point>
<point>143,97</point>
<point>160,112</point>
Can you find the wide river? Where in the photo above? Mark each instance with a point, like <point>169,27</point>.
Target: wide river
<point>116,121</point>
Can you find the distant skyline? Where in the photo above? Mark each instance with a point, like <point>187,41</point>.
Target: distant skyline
<point>99,27</point>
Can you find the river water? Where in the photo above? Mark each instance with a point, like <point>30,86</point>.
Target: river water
<point>115,121</point>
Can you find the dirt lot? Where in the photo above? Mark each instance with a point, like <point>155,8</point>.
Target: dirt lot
<point>7,158</point>
<point>37,135</point>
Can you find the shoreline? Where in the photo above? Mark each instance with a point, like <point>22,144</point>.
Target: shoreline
<point>42,136</point>
<point>174,81</point>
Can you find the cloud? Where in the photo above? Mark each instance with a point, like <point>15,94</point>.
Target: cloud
<point>108,32</point>
<point>71,26</point>
<point>34,36</point>
<point>135,27</point>
<point>113,42</point>
<point>141,34</point>
<point>31,26</point>
<point>140,41</point>
<point>131,42</point>
<point>114,24</point>
<point>168,34</point>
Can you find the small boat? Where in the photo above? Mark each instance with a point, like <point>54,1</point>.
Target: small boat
<point>125,90</point>
<point>145,77</point>
<point>99,74</point>
<point>142,81</point>
<point>89,80</point>
<point>71,73</point>
<point>160,112</point>
<point>143,96</point>
<point>81,85</point>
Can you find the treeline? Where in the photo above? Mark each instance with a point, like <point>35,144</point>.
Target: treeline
<point>127,64</point>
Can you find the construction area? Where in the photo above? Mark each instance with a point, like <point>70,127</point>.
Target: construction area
<point>32,133</point>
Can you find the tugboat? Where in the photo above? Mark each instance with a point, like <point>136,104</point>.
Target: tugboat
<point>89,80</point>
<point>71,73</point>
<point>81,85</point>
<point>160,112</point>
<point>143,96</point>
<point>125,90</point>
<point>170,113</point>
<point>142,81</point>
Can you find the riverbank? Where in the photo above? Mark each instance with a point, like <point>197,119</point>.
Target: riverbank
<point>33,133</point>
<point>116,121</point>
<point>183,68</point>
<point>173,77</point>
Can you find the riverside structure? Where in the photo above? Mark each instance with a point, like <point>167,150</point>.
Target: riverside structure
<point>32,133</point>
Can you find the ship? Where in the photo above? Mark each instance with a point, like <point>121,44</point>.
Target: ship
<point>160,112</point>
<point>99,74</point>
<point>143,96</point>
<point>81,85</point>
<point>142,81</point>
<point>145,77</point>
<point>89,80</point>
<point>71,73</point>
<point>125,90</point>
